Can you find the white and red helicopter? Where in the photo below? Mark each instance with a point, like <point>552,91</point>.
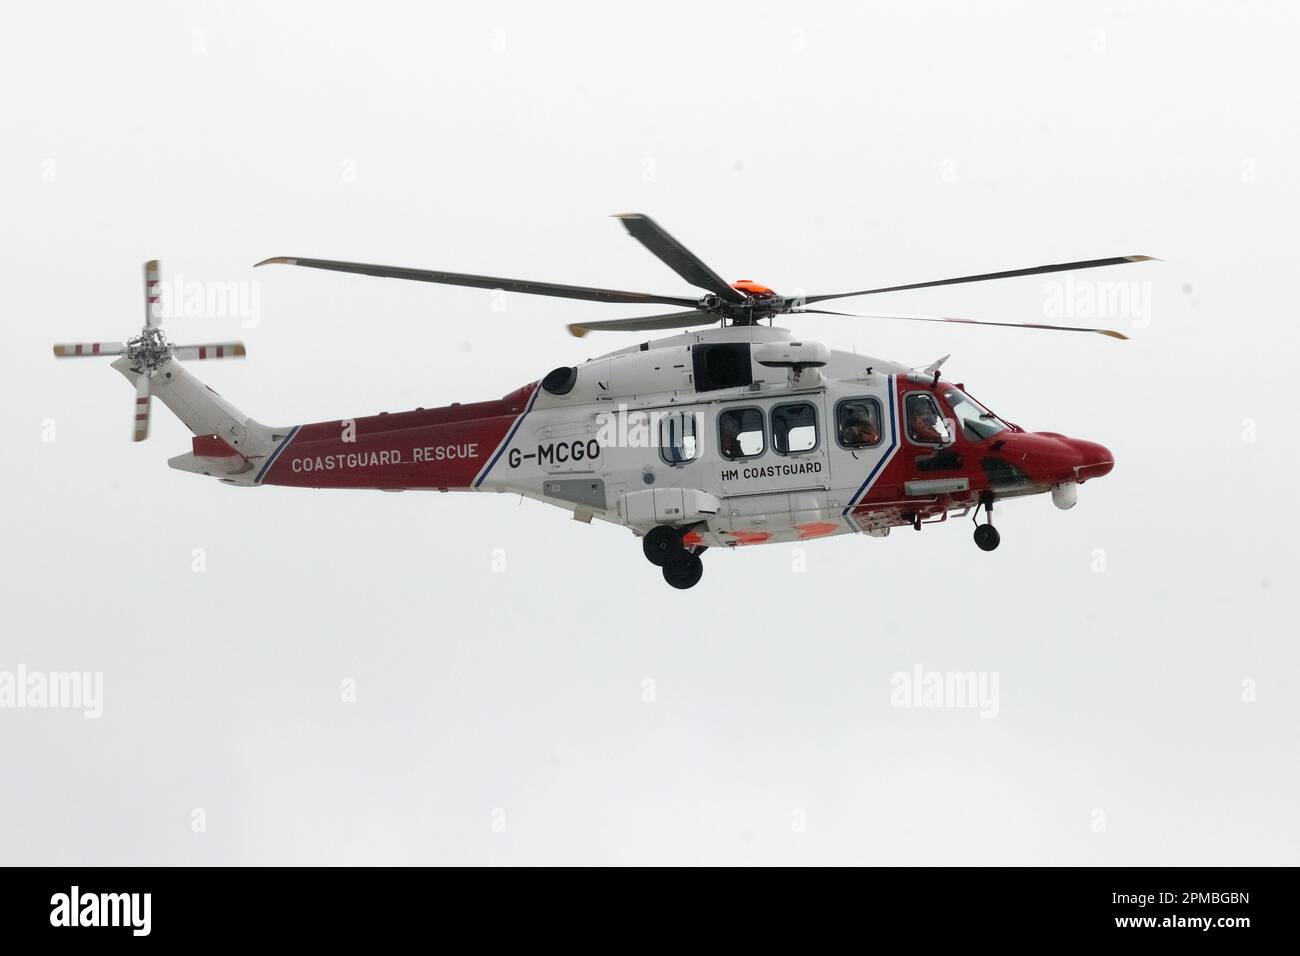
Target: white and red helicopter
<point>725,436</point>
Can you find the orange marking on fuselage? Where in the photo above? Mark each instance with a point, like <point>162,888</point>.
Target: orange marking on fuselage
<point>816,529</point>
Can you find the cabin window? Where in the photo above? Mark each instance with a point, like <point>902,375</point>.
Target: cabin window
<point>740,433</point>
<point>858,423</point>
<point>794,428</point>
<point>678,438</point>
<point>925,425</point>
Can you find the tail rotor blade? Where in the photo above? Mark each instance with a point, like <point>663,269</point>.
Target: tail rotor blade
<point>152,294</point>
<point>190,353</point>
<point>143,403</point>
<point>86,349</point>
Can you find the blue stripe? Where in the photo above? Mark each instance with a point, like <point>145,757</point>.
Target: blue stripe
<point>893,441</point>
<point>270,460</point>
<point>506,444</point>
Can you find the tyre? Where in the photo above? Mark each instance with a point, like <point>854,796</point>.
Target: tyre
<point>684,571</point>
<point>662,543</point>
<point>987,537</point>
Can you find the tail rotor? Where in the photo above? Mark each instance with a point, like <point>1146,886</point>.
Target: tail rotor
<point>150,351</point>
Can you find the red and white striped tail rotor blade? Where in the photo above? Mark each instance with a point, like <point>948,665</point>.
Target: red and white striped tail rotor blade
<point>143,399</point>
<point>190,353</point>
<point>80,349</point>
<point>152,294</point>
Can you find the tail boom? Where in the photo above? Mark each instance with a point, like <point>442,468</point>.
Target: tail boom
<point>216,424</point>
<point>450,448</point>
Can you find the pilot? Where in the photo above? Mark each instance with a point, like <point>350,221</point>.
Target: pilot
<point>730,446</point>
<point>859,429</point>
<point>924,424</point>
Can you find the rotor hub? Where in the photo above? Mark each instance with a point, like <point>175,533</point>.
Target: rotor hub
<point>149,351</point>
<point>756,302</point>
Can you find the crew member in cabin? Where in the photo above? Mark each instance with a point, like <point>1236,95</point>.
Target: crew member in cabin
<point>922,421</point>
<point>730,446</point>
<point>859,428</point>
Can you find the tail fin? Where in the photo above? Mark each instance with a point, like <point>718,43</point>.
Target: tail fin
<point>228,444</point>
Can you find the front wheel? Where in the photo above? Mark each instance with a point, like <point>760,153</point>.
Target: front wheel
<point>987,537</point>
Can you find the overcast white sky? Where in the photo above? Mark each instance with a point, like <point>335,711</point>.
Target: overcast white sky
<point>503,717</point>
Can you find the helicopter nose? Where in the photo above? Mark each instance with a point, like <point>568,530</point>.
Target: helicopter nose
<point>1094,460</point>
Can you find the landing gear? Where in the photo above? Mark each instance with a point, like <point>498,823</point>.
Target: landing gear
<point>684,570</point>
<point>664,548</point>
<point>661,544</point>
<point>986,536</point>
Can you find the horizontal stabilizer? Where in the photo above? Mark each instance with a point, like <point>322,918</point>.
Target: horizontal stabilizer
<point>212,455</point>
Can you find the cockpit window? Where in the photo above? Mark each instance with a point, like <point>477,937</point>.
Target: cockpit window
<point>924,423</point>
<point>976,422</point>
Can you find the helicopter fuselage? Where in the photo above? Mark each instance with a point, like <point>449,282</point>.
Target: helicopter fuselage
<point>734,436</point>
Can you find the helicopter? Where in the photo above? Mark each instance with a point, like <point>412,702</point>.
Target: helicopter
<point>728,433</point>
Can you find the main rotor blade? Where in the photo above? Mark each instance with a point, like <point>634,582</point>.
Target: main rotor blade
<point>485,282</point>
<point>1036,270</point>
<point>152,294</point>
<point>80,349</point>
<point>673,320</point>
<point>941,318</point>
<point>220,350</point>
<point>676,256</point>
<point>142,406</point>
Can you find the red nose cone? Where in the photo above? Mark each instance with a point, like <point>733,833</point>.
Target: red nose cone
<point>1094,460</point>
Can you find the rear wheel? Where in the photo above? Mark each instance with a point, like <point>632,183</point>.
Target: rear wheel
<point>661,544</point>
<point>684,571</point>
